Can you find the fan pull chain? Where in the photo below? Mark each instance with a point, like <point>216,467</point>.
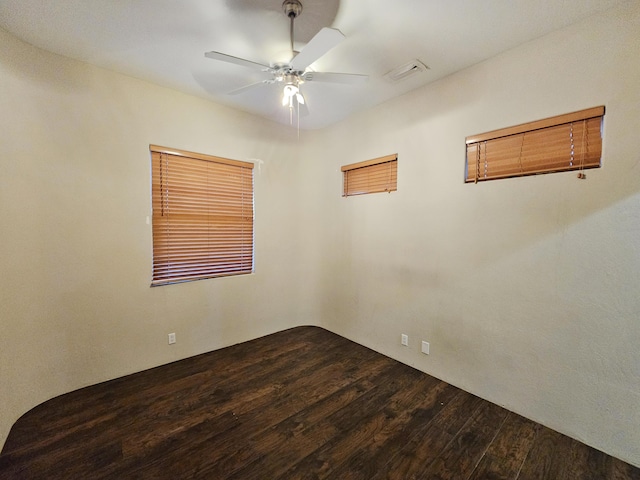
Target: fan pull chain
<point>298,115</point>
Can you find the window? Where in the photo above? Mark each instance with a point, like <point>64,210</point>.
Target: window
<point>377,175</point>
<point>566,142</point>
<point>202,216</point>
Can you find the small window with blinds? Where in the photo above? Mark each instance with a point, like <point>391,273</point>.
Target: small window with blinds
<point>202,216</point>
<point>371,176</point>
<point>567,142</point>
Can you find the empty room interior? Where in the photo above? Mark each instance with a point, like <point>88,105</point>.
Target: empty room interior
<point>525,289</point>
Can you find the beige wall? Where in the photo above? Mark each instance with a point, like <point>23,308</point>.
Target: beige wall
<point>528,290</point>
<point>75,303</point>
<point>487,273</point>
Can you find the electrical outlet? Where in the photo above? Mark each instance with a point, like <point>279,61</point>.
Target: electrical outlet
<point>425,347</point>
<point>404,339</point>
<point>172,338</point>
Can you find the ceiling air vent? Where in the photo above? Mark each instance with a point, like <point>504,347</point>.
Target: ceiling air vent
<point>404,71</point>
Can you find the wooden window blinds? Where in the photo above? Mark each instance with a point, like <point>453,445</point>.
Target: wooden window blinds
<point>567,142</point>
<point>371,176</point>
<point>202,216</point>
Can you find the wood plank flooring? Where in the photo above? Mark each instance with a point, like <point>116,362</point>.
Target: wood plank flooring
<point>299,404</point>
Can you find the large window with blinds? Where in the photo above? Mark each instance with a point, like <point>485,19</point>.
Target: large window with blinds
<point>371,176</point>
<point>567,142</point>
<point>202,216</point>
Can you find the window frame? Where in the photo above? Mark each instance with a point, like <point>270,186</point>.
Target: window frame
<point>209,235</point>
<point>562,150</point>
<point>370,176</point>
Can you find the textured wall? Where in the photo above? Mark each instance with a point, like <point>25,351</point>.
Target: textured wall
<point>527,289</point>
<point>75,303</point>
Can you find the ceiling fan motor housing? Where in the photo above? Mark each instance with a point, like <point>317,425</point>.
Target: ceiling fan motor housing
<point>292,8</point>
<point>293,74</point>
<point>292,78</point>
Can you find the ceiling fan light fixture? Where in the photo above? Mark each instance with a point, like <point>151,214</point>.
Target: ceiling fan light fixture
<point>408,69</point>
<point>291,91</point>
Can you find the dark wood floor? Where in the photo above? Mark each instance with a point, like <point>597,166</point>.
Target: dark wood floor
<point>299,404</point>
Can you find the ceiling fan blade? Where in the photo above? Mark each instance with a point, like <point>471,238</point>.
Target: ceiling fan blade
<point>348,78</point>
<point>235,60</point>
<point>246,88</point>
<point>324,40</point>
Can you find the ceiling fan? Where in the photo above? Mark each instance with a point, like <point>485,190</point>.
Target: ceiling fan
<point>296,72</point>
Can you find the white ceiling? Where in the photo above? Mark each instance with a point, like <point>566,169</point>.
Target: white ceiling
<point>164,41</point>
